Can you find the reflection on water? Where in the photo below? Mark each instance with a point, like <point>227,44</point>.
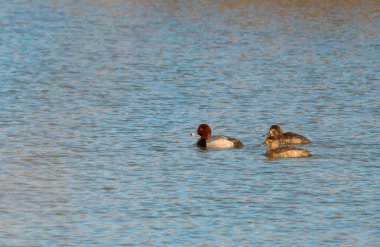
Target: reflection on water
<point>97,99</point>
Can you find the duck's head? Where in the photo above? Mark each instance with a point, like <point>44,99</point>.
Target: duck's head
<point>204,131</point>
<point>275,130</point>
<point>272,142</point>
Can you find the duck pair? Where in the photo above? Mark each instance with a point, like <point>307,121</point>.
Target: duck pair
<point>276,138</point>
<point>273,141</point>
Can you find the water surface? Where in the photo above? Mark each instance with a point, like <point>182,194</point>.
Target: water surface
<point>97,99</point>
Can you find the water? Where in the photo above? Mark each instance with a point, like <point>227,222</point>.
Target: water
<point>97,99</point>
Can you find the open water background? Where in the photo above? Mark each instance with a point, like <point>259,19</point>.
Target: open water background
<point>97,99</point>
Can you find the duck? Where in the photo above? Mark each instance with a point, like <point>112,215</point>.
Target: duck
<point>208,141</point>
<point>288,137</point>
<point>276,151</point>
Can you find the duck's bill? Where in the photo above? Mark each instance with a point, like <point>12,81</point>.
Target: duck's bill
<point>192,134</point>
<point>262,144</point>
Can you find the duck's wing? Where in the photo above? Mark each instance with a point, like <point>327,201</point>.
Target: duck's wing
<point>237,142</point>
<point>223,142</point>
<point>293,138</point>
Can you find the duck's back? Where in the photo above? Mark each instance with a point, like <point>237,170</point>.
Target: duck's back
<point>287,152</point>
<point>223,142</point>
<point>292,138</point>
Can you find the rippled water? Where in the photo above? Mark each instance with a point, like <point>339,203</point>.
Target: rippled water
<point>97,99</point>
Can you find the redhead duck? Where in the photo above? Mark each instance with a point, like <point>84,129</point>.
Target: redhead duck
<point>275,151</point>
<point>288,137</point>
<point>206,141</point>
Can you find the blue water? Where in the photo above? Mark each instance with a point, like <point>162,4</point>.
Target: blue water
<point>98,98</point>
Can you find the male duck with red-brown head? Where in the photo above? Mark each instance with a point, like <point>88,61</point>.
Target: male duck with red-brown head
<point>208,141</point>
